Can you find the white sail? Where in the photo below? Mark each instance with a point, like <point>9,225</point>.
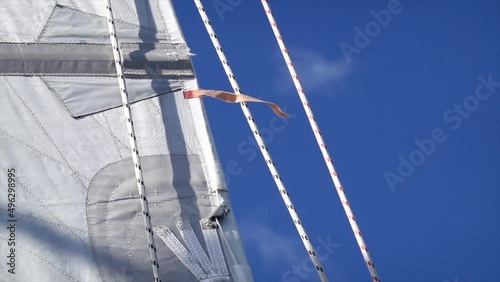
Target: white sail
<point>69,193</point>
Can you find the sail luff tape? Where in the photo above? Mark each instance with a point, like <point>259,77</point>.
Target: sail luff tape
<point>132,139</point>
<point>232,98</point>
<point>263,149</point>
<point>321,144</point>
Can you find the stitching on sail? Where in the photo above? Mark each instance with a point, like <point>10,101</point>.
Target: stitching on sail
<point>106,218</point>
<point>37,121</point>
<point>103,169</point>
<point>71,229</point>
<point>35,198</point>
<point>100,71</point>
<point>115,137</point>
<point>89,6</point>
<point>107,128</point>
<point>75,6</point>
<point>130,231</point>
<point>102,109</point>
<point>45,260</point>
<point>55,94</point>
<point>166,213</point>
<point>104,18</point>
<point>44,28</point>
<point>158,8</point>
<point>77,174</point>
<point>160,46</point>
<point>80,77</point>
<point>113,191</point>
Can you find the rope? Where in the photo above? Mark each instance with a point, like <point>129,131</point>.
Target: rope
<point>133,143</point>
<point>321,144</point>
<point>267,157</point>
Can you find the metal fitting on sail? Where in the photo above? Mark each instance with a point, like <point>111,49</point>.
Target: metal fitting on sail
<point>219,213</point>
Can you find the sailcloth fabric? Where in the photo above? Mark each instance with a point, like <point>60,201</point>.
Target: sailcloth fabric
<point>68,189</point>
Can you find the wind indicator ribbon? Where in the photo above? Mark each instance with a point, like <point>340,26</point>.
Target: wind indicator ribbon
<point>232,98</point>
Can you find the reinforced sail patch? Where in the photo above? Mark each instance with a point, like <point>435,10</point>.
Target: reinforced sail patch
<point>89,59</point>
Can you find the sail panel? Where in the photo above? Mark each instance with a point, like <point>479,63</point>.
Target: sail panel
<point>78,217</point>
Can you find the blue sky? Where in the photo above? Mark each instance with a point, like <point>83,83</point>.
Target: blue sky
<point>409,117</point>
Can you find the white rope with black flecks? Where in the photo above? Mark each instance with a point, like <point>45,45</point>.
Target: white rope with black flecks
<point>133,143</point>
<point>321,143</point>
<point>262,146</point>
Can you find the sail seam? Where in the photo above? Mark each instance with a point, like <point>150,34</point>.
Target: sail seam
<point>108,129</point>
<point>164,29</point>
<point>73,230</point>
<point>99,16</point>
<point>35,198</point>
<point>37,121</point>
<point>44,28</point>
<point>45,260</point>
<point>77,174</point>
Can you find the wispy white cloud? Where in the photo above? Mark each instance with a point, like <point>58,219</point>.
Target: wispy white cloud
<point>315,71</point>
<point>269,244</point>
<point>281,256</point>
<point>273,246</point>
